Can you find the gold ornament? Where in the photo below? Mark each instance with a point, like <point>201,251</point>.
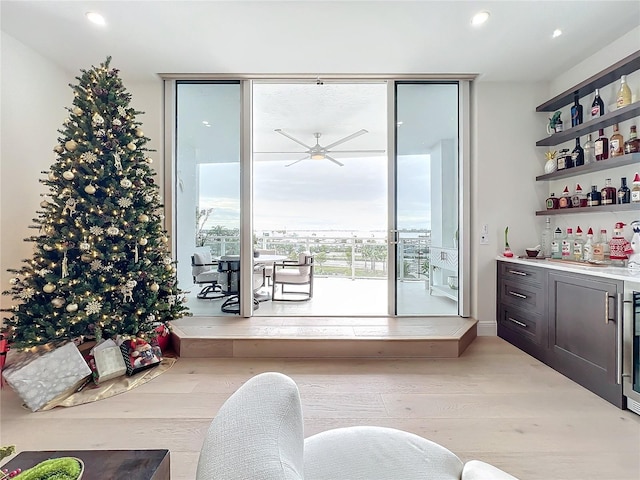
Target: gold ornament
<point>70,145</point>
<point>77,111</point>
<point>90,189</point>
<point>139,132</point>
<point>143,217</point>
<point>131,146</point>
<point>58,149</point>
<point>154,287</point>
<point>48,288</point>
<point>148,160</point>
<point>143,241</point>
<point>85,257</point>
<point>44,204</point>
<point>57,302</point>
<point>72,307</point>
<point>52,176</point>
<point>68,175</point>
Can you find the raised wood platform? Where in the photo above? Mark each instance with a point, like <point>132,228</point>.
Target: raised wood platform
<point>323,337</point>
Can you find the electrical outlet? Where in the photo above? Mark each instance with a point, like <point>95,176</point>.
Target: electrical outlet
<point>484,239</point>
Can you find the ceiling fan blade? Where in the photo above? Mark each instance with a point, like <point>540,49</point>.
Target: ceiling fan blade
<point>345,139</point>
<point>292,138</point>
<point>358,151</point>
<point>303,158</point>
<point>280,153</point>
<point>333,160</point>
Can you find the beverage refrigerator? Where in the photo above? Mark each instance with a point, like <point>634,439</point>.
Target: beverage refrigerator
<point>628,368</point>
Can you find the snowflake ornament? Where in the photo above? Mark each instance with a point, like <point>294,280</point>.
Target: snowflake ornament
<point>125,202</point>
<point>88,157</point>
<point>101,132</point>
<point>27,293</point>
<point>122,111</point>
<point>93,307</point>
<point>117,122</point>
<point>96,265</point>
<point>96,230</point>
<point>44,272</point>
<point>97,119</point>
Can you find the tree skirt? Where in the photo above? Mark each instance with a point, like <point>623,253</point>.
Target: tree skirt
<point>110,388</point>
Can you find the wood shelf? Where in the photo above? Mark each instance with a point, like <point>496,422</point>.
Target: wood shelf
<point>617,116</point>
<point>627,207</point>
<point>605,77</point>
<point>614,162</point>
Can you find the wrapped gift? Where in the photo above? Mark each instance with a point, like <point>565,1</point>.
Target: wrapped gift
<point>108,360</point>
<point>139,355</point>
<point>44,373</point>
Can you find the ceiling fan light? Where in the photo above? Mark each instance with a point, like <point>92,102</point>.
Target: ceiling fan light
<point>317,156</point>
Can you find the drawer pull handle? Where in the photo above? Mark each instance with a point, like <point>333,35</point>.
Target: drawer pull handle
<point>516,272</point>
<point>517,322</point>
<point>519,295</point>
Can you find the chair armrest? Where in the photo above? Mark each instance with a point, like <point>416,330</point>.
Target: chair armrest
<point>477,470</point>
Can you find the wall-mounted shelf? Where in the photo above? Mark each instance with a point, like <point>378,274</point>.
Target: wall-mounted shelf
<point>613,162</point>
<point>617,116</point>
<point>626,207</point>
<point>609,75</point>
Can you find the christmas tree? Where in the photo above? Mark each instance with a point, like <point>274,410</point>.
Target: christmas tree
<point>101,264</point>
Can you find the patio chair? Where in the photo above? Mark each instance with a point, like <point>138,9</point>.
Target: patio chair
<point>204,273</point>
<point>268,266</point>
<point>293,273</point>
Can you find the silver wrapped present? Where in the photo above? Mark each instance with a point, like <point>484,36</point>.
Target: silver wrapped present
<point>44,373</point>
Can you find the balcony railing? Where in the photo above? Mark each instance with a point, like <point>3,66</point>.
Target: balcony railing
<point>340,256</point>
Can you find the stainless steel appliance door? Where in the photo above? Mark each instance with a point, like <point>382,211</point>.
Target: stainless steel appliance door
<point>631,346</point>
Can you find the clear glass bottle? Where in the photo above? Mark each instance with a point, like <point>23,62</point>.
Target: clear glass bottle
<point>624,94</point>
<point>616,143</point>
<point>608,194</point>
<point>598,246</point>
<point>579,199</point>
<point>578,244</point>
<point>567,245</point>
<point>589,152</point>
<point>624,193</point>
<point>556,244</point>
<point>587,249</point>
<point>633,144</point>
<point>546,239</point>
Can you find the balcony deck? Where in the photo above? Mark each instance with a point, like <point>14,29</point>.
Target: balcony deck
<point>345,318</point>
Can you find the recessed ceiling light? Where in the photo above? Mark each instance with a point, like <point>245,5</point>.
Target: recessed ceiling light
<point>556,33</point>
<point>480,17</point>
<point>96,18</point>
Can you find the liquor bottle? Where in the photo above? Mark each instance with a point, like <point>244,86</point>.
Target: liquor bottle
<point>624,94</point>
<point>604,238</point>
<point>589,153</point>
<point>599,246</point>
<point>635,189</point>
<point>593,197</point>
<point>587,249</point>
<point>579,199</point>
<point>618,245</point>
<point>576,111</point>
<point>546,239</point>
<point>608,195</point>
<point>556,244</point>
<point>633,144</point>
<point>552,202</point>
<point>616,143</point>
<point>597,107</point>
<point>577,155</point>
<point>578,244</point>
<point>624,194</point>
<point>565,200</point>
<point>559,126</point>
<point>601,146</point>
<point>565,160</point>
<point>567,245</point>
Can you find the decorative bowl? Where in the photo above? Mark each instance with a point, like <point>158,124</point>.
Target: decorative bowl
<point>532,252</point>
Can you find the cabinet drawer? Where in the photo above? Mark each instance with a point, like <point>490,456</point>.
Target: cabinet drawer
<point>520,322</point>
<point>524,273</point>
<point>523,296</point>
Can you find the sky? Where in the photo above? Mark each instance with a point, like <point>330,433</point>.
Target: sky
<point>320,195</point>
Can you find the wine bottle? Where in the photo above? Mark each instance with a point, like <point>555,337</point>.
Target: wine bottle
<point>577,155</point>
<point>576,111</point>
<point>624,94</point>
<point>597,107</point>
<point>601,146</point>
<point>624,194</point>
<point>635,189</point>
<point>616,143</point>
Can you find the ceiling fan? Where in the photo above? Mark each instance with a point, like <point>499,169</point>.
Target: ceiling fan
<point>319,152</point>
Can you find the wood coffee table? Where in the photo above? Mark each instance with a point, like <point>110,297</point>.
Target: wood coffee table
<point>103,464</point>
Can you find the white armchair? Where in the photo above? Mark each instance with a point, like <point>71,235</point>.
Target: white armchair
<point>298,273</point>
<point>258,435</point>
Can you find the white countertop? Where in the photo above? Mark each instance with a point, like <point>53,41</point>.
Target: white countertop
<point>615,273</point>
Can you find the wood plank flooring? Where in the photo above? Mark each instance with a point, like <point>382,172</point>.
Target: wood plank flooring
<point>493,403</point>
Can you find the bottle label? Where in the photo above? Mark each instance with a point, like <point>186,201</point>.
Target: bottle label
<point>598,252</point>
<point>566,249</point>
<point>635,195</point>
<point>595,111</point>
<point>564,202</point>
<point>550,203</point>
<point>562,163</point>
<point>599,147</point>
<point>614,145</point>
<point>577,250</point>
<point>593,202</point>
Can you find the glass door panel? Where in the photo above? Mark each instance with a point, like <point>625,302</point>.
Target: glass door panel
<point>426,188</point>
<point>207,179</point>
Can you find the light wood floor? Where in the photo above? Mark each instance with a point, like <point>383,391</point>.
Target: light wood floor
<point>494,403</point>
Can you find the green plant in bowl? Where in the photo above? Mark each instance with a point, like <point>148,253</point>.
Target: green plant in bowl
<point>63,468</point>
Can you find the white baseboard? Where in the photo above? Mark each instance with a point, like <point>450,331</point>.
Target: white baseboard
<point>487,329</point>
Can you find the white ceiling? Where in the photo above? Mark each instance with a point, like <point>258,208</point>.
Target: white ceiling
<point>306,37</point>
